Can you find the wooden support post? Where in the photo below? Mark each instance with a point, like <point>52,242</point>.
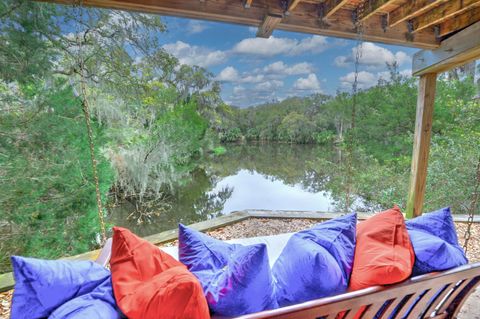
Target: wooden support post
<point>421,144</point>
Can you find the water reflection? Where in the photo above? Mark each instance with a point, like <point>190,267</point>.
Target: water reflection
<point>252,190</point>
<point>272,176</point>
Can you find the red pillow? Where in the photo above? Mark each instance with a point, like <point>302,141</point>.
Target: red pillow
<point>383,253</point>
<point>149,283</point>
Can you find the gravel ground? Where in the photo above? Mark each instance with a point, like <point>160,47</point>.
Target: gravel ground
<point>263,227</point>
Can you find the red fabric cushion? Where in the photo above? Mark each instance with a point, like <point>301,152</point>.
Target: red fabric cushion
<point>383,253</point>
<point>149,283</point>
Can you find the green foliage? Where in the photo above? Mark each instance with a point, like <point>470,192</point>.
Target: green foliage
<point>47,196</point>
<point>219,150</point>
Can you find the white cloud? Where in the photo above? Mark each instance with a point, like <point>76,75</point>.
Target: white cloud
<point>275,46</point>
<point>275,71</point>
<point>195,55</point>
<point>372,56</point>
<point>280,68</point>
<point>368,79</point>
<point>268,86</point>
<point>229,74</point>
<point>310,83</point>
<point>195,26</point>
<point>364,80</point>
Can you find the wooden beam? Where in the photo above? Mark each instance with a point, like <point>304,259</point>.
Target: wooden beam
<point>247,3</point>
<point>411,9</point>
<point>292,5</point>
<point>459,49</point>
<point>371,7</point>
<point>332,6</point>
<point>268,25</point>
<point>442,13</point>
<point>460,22</point>
<point>303,19</point>
<point>421,144</point>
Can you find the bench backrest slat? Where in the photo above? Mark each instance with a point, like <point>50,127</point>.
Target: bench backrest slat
<point>435,295</point>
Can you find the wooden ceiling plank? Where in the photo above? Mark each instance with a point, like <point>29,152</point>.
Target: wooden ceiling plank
<point>247,3</point>
<point>459,49</point>
<point>442,13</point>
<point>270,22</point>
<point>460,22</point>
<point>373,6</point>
<point>293,5</point>
<point>332,6</point>
<point>411,9</point>
<point>304,19</point>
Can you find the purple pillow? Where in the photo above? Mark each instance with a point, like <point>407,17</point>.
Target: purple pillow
<point>42,286</point>
<point>236,279</point>
<point>435,242</point>
<point>316,262</point>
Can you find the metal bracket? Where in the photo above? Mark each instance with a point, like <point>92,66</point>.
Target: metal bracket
<point>410,26</point>
<point>355,16</point>
<point>436,31</point>
<point>384,22</point>
<point>284,6</point>
<point>321,16</point>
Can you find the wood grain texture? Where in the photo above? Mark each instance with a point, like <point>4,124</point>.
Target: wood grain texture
<point>303,19</point>
<point>456,50</point>
<point>460,22</point>
<point>421,144</point>
<point>269,24</point>
<point>411,9</point>
<point>441,13</point>
<point>372,7</point>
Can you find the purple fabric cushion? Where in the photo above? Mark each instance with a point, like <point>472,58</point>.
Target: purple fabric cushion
<point>435,242</point>
<point>236,279</point>
<point>316,262</point>
<point>42,286</point>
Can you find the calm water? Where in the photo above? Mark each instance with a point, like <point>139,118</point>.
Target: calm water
<point>271,176</point>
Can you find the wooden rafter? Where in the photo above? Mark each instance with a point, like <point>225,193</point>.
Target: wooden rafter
<point>303,19</point>
<point>411,9</point>
<point>371,7</point>
<point>292,5</point>
<point>332,6</point>
<point>247,3</point>
<point>460,22</point>
<point>269,23</point>
<point>458,49</point>
<point>442,13</point>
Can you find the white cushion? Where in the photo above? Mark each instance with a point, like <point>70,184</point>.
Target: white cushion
<point>274,243</point>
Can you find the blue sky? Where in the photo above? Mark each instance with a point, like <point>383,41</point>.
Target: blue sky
<point>255,70</point>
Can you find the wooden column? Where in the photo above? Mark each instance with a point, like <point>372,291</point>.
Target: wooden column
<point>421,144</point>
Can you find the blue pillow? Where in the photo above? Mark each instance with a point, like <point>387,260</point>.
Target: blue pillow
<point>435,242</point>
<point>316,262</point>
<point>98,304</point>
<point>236,279</point>
<point>41,286</point>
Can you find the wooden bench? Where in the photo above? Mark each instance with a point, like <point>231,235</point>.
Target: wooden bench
<point>436,295</point>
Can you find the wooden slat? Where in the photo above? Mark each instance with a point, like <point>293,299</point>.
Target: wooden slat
<point>423,303</point>
<point>458,49</point>
<point>332,6</point>
<point>452,296</point>
<point>248,3</point>
<point>421,144</point>
<point>411,9</point>
<point>442,13</point>
<point>303,19</point>
<point>292,5</point>
<point>373,310</point>
<point>460,22</point>
<point>269,24</point>
<point>373,6</point>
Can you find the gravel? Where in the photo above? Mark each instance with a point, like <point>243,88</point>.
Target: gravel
<point>263,227</point>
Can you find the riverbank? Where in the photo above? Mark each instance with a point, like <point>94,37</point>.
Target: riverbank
<point>253,227</point>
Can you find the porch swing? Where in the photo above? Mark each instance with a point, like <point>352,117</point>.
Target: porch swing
<point>434,295</point>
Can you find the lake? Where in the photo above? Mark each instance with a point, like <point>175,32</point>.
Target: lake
<point>259,176</point>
